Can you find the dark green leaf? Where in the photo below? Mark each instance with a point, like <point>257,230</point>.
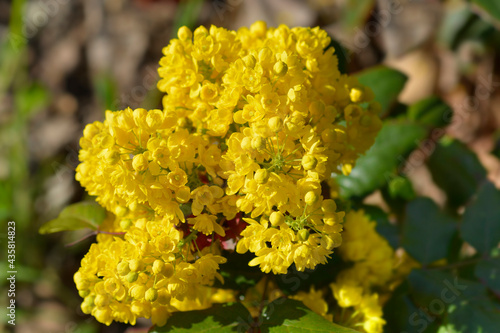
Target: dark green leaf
<point>237,274</point>
<point>231,317</point>
<point>386,84</point>
<point>431,112</point>
<point>77,216</point>
<point>286,316</point>
<point>377,166</point>
<point>400,311</point>
<point>481,221</point>
<point>488,271</point>
<point>474,315</point>
<point>321,276</point>
<point>464,304</point>
<point>426,286</point>
<point>427,232</point>
<point>490,6</point>
<point>401,187</point>
<point>456,170</point>
<point>341,54</point>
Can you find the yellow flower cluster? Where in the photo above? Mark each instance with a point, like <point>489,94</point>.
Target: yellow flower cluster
<point>149,273</point>
<point>253,122</point>
<point>376,266</point>
<point>286,119</point>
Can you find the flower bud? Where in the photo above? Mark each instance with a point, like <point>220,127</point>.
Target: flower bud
<point>265,54</point>
<point>134,265</point>
<point>311,198</point>
<point>356,95</point>
<point>132,277</point>
<point>328,206</point>
<point>261,176</point>
<point>125,224</point>
<point>303,235</point>
<point>158,266</point>
<point>309,162</point>
<point>168,270</point>
<point>280,68</point>
<point>112,157</point>
<point>184,33</point>
<point>151,295</point>
<point>249,61</point>
<point>275,124</point>
<point>137,291</point>
<point>123,268</point>
<point>246,143</point>
<point>276,218</point>
<point>140,162</point>
<point>101,300</point>
<point>258,143</point>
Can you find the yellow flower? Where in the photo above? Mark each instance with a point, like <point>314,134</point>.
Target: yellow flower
<point>207,224</point>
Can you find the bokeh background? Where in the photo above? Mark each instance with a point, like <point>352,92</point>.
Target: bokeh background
<point>64,62</point>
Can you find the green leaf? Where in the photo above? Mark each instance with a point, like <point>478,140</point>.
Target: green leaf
<point>237,274</point>
<point>426,286</point>
<point>431,112</point>
<point>488,272</point>
<point>341,54</point>
<point>490,6</point>
<point>464,304</point>
<point>287,315</point>
<point>399,311</point>
<point>386,84</point>
<point>221,318</point>
<point>377,166</point>
<point>77,216</point>
<point>427,232</point>
<point>401,187</point>
<point>474,315</point>
<point>456,170</point>
<point>481,220</point>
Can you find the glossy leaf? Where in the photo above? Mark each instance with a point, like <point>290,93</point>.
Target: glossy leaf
<point>488,272</point>
<point>236,272</point>
<point>386,84</point>
<point>77,216</point>
<point>464,305</point>
<point>377,166</point>
<point>221,318</point>
<point>481,221</point>
<point>477,314</point>
<point>456,170</point>
<point>427,232</point>
<point>287,315</point>
<point>431,112</point>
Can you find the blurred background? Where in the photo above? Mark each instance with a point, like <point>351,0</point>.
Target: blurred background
<point>64,62</point>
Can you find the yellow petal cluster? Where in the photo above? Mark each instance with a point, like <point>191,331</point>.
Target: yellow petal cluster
<point>148,273</point>
<point>286,118</point>
<point>253,123</point>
